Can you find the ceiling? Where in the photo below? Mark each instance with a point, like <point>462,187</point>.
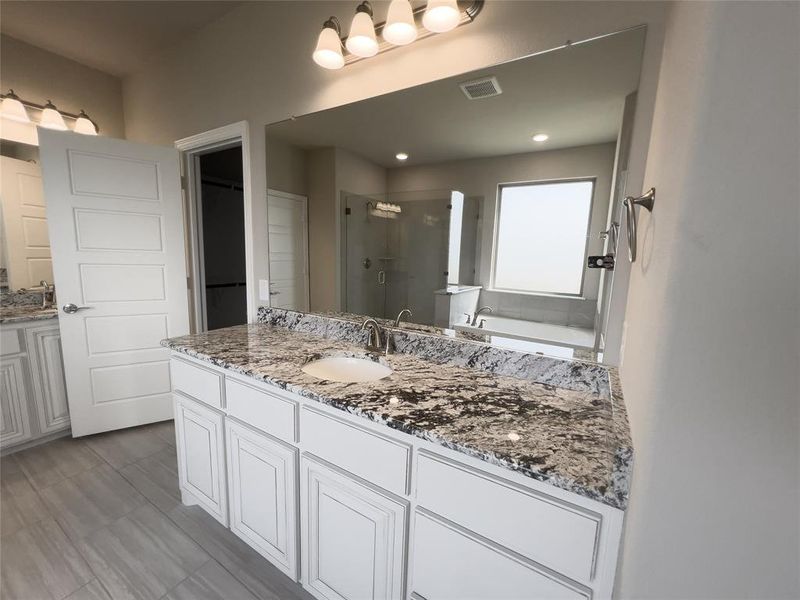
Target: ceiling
<point>575,95</point>
<point>115,36</point>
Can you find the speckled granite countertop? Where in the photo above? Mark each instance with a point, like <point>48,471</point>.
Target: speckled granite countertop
<point>577,440</point>
<point>26,312</point>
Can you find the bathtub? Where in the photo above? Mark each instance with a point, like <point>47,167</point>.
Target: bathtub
<point>530,331</point>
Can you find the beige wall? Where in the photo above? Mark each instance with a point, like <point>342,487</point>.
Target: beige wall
<point>712,351</point>
<point>38,76</point>
<point>482,176</point>
<point>286,167</point>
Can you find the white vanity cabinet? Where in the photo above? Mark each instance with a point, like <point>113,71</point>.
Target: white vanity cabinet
<point>262,492</point>
<point>353,536</point>
<point>33,396</point>
<point>201,456</point>
<point>357,511</point>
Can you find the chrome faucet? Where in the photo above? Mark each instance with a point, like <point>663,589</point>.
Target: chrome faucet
<point>374,342</point>
<point>405,311</point>
<point>389,349</point>
<point>477,313</point>
<point>48,294</point>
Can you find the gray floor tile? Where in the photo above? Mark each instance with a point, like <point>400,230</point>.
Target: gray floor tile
<point>125,446</point>
<point>55,461</point>
<point>165,430</point>
<point>210,582</point>
<point>249,567</point>
<point>156,478</point>
<point>39,563</point>
<point>85,503</point>
<point>142,555</point>
<point>93,590</point>
<point>20,504</point>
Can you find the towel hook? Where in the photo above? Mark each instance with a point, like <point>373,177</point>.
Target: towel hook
<point>646,200</point>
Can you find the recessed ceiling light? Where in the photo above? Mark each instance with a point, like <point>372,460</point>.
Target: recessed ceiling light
<point>401,156</point>
<point>541,137</point>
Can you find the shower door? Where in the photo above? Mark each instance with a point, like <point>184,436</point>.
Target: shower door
<point>395,253</point>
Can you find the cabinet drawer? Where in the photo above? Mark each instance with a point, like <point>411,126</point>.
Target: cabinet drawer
<point>378,459</point>
<point>199,383</point>
<point>451,564</point>
<point>547,530</point>
<point>261,409</point>
<point>10,342</point>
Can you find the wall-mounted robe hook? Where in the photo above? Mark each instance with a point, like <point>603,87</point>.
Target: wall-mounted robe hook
<point>646,200</point>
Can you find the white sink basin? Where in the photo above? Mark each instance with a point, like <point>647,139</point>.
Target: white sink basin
<point>347,369</point>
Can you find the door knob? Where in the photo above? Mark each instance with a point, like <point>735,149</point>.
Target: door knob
<point>72,308</point>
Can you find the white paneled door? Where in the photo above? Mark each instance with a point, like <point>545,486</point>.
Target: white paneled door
<point>27,243</point>
<point>116,232</point>
<point>288,250</point>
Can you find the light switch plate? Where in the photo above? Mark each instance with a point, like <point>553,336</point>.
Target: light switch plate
<point>263,289</point>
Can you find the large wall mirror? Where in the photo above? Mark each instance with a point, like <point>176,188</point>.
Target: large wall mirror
<point>490,189</point>
<point>24,241</point>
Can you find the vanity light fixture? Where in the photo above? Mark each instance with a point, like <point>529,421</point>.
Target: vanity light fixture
<point>388,207</point>
<point>84,125</point>
<point>401,156</point>
<point>328,53</point>
<point>441,16</point>
<point>13,109</point>
<point>51,118</point>
<point>541,137</point>
<point>362,40</point>
<point>400,28</point>
<point>404,25</point>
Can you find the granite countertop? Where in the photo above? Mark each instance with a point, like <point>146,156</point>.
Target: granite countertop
<point>26,312</point>
<point>574,439</point>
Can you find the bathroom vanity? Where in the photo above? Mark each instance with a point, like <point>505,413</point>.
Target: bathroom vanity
<point>33,392</point>
<point>438,481</point>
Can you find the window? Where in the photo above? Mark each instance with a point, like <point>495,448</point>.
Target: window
<point>540,237</point>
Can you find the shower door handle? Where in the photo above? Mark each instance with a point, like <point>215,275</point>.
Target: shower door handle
<point>381,277</point>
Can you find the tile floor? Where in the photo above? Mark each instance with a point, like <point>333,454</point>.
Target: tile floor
<point>100,518</point>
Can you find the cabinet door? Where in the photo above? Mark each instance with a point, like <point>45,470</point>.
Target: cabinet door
<point>15,426</point>
<point>201,456</point>
<point>47,372</point>
<point>450,563</point>
<point>262,478</point>
<point>354,537</point>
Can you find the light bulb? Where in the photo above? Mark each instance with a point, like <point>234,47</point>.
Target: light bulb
<point>400,28</point>
<point>401,156</point>
<point>541,137</point>
<point>328,53</point>
<point>51,118</point>
<point>362,41</point>
<point>13,109</point>
<point>441,16</point>
<point>84,125</point>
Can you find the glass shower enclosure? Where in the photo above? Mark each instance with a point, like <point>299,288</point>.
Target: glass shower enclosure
<point>397,251</point>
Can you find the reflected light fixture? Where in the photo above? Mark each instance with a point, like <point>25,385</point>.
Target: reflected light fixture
<point>441,16</point>
<point>13,109</point>
<point>400,28</point>
<point>541,137</point>
<point>362,41</point>
<point>328,53</point>
<point>401,156</point>
<point>84,125</point>
<point>51,118</point>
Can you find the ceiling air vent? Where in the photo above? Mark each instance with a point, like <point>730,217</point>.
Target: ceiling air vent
<point>486,87</point>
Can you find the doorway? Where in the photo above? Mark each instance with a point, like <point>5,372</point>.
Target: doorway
<point>220,231</point>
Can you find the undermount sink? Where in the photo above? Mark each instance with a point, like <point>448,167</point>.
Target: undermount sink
<point>347,369</point>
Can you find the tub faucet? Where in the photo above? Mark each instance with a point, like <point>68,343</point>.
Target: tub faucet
<point>374,342</point>
<point>477,313</point>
